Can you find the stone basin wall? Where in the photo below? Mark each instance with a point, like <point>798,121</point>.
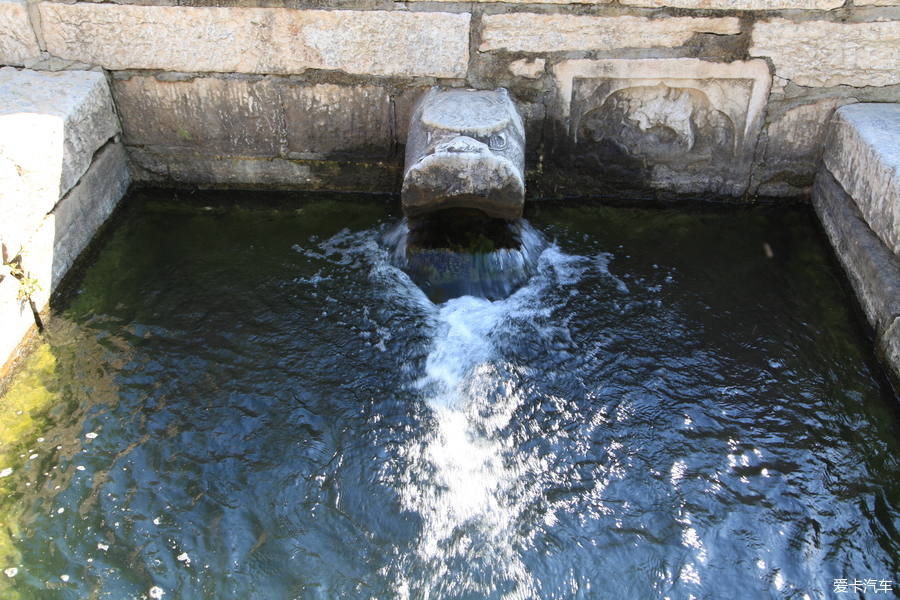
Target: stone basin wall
<point>705,97</point>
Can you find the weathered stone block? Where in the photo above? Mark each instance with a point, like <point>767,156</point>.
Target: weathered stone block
<point>50,126</point>
<point>863,152</point>
<point>17,40</point>
<point>466,149</point>
<point>331,119</point>
<point>872,269</point>
<point>68,229</point>
<point>220,116</point>
<point>529,32</point>
<point>258,40</point>
<point>740,4</point>
<point>684,125</point>
<point>188,168</point>
<point>826,54</point>
<point>60,238</point>
<point>794,145</point>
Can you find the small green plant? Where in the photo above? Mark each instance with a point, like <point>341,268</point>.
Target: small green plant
<point>28,284</point>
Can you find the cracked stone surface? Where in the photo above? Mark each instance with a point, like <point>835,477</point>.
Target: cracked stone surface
<point>18,43</point>
<point>466,149</point>
<point>863,152</point>
<point>59,239</point>
<point>51,124</point>
<point>872,269</point>
<point>258,40</point>
<point>826,54</point>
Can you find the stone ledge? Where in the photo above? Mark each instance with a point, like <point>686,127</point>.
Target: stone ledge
<point>866,55</point>
<point>61,237</point>
<point>172,168</point>
<point>51,124</point>
<point>259,40</point>
<point>873,270</point>
<point>18,44</point>
<point>863,153</point>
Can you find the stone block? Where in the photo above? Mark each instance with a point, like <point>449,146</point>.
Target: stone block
<point>219,116</point>
<point>684,125</point>
<point>68,229</point>
<point>466,149</point>
<point>872,269</point>
<point>739,4</point>
<point>794,145</point>
<point>530,32</point>
<point>60,238</point>
<point>827,54</point>
<point>330,119</point>
<point>51,124</point>
<point>258,40</point>
<point>863,152</point>
<point>18,43</point>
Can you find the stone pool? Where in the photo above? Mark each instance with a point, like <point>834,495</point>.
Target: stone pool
<point>243,396</point>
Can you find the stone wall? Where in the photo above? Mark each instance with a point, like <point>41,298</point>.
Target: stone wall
<point>698,96</point>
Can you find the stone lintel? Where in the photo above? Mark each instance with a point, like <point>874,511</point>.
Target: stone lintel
<point>258,40</point>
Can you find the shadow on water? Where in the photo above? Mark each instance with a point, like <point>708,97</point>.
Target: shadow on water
<point>251,399</point>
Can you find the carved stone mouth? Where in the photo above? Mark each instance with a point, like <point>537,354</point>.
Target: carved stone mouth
<point>465,149</point>
<point>463,144</point>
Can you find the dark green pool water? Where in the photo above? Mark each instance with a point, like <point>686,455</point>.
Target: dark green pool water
<point>245,398</point>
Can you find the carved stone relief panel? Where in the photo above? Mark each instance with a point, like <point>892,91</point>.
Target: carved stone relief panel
<point>684,125</point>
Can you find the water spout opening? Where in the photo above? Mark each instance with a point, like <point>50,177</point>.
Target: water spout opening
<point>459,252</point>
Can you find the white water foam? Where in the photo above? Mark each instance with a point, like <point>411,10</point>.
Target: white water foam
<point>467,480</point>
